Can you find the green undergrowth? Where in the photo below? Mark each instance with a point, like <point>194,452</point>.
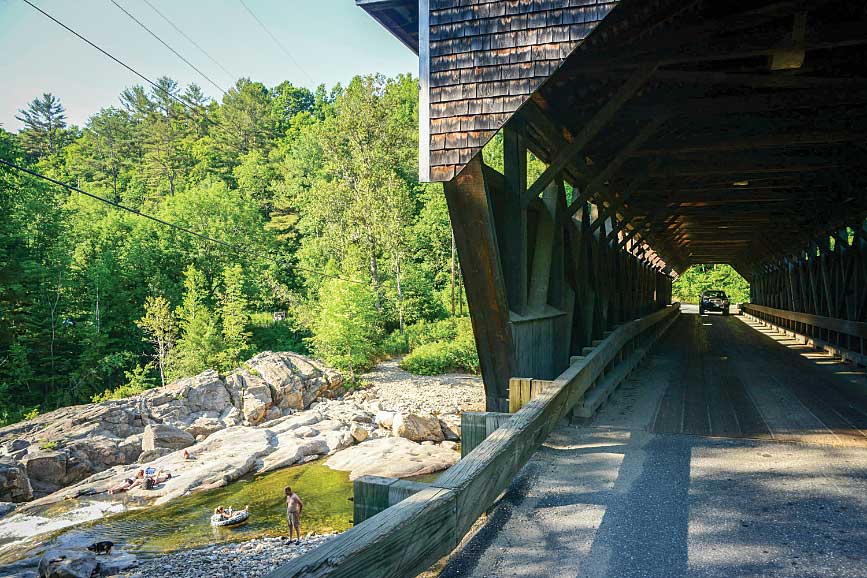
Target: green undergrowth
<point>441,347</point>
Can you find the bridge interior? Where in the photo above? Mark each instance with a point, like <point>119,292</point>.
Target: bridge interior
<point>736,451</point>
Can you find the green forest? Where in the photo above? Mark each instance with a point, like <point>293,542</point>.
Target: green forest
<point>320,240</point>
<point>313,209</point>
<point>688,287</point>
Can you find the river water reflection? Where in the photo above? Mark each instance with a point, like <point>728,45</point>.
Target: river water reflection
<point>185,522</point>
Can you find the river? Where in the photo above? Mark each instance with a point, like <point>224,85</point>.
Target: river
<point>185,521</point>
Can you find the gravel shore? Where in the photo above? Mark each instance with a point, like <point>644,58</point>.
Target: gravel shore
<point>249,559</point>
<point>397,389</point>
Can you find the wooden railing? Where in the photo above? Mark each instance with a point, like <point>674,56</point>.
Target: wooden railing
<point>409,536</point>
<point>840,337</point>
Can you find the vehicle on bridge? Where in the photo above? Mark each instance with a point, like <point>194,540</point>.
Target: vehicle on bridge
<point>713,301</point>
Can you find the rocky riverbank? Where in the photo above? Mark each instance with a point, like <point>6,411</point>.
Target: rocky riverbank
<point>278,410</point>
<point>249,559</point>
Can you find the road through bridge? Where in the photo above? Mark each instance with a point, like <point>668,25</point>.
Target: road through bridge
<point>590,152</point>
<point>737,451</point>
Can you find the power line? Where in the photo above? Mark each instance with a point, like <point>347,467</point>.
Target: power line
<point>115,204</point>
<point>164,43</point>
<point>191,41</point>
<point>157,87</point>
<point>276,41</point>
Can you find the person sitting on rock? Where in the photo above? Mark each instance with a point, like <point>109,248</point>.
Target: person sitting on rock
<point>162,476</point>
<point>293,512</point>
<point>129,483</point>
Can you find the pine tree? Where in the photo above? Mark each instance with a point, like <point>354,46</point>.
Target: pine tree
<point>233,311</point>
<point>199,345</point>
<point>44,121</point>
<point>160,329</point>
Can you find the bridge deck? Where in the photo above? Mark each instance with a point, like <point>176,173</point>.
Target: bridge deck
<point>732,453</point>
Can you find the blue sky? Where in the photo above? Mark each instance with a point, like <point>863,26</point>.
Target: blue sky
<point>333,40</point>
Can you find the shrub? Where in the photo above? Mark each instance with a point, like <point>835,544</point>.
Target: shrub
<point>430,359</point>
<point>454,351</point>
<point>138,380</point>
<point>271,335</point>
<point>32,414</point>
<point>396,343</point>
<point>48,446</point>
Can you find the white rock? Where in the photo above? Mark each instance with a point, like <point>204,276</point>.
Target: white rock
<point>392,457</point>
<point>159,436</point>
<point>384,419</point>
<point>449,445</point>
<point>338,440</point>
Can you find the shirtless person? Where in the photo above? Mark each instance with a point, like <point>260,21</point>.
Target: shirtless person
<point>293,512</point>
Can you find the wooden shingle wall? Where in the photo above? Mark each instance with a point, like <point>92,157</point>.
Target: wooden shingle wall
<point>484,58</point>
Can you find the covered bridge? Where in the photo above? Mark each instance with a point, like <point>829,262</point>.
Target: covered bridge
<point>673,133</point>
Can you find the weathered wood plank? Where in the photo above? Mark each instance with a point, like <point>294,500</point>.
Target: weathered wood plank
<point>395,543</point>
<point>854,328</point>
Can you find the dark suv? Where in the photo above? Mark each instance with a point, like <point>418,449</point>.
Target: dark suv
<point>713,301</point>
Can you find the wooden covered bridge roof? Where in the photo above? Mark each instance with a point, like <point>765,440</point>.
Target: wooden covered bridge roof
<point>720,132</point>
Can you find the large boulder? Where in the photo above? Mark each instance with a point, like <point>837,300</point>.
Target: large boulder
<point>67,564</point>
<point>417,427</point>
<point>393,458</point>
<point>252,394</point>
<point>207,392</point>
<point>49,470</point>
<point>295,380</point>
<point>451,426</point>
<point>205,426</point>
<point>165,436</point>
<point>358,432</point>
<point>14,483</point>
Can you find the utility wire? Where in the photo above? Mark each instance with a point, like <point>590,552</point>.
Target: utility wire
<point>157,87</point>
<point>191,41</point>
<point>164,43</point>
<point>276,41</point>
<point>236,248</point>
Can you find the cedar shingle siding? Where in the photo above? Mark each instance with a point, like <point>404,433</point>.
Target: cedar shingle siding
<point>485,59</point>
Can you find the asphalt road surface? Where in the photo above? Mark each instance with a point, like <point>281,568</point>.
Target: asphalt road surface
<point>732,452</point>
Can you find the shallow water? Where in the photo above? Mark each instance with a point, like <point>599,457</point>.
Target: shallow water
<point>185,522</point>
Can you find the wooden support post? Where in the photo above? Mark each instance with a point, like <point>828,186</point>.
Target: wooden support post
<point>511,217</point>
<point>523,390</point>
<point>476,426</point>
<point>473,224</point>
<point>373,494</point>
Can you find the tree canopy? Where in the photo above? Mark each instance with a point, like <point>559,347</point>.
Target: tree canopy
<point>312,197</point>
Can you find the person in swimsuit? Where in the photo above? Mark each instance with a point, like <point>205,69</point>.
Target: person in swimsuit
<point>293,513</point>
<point>128,483</point>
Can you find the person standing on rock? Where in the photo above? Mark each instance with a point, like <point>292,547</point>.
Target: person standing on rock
<point>293,512</point>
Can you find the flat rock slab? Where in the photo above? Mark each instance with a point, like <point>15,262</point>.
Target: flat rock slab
<point>393,458</point>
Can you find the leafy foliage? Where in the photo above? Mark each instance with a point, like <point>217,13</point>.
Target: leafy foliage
<point>440,347</point>
<point>95,300</point>
<point>698,278</point>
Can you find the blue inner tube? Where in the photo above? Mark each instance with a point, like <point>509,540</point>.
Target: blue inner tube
<point>238,517</point>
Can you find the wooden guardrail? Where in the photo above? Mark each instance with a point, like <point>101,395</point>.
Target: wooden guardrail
<point>826,333</point>
<point>409,536</point>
